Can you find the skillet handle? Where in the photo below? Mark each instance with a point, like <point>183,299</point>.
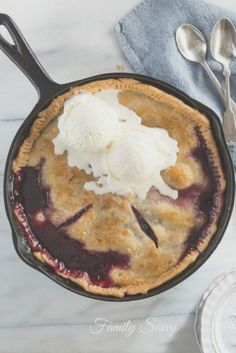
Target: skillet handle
<point>22,55</point>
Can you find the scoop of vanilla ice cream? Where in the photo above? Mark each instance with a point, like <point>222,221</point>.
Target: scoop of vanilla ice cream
<point>133,158</point>
<point>134,161</point>
<point>87,124</point>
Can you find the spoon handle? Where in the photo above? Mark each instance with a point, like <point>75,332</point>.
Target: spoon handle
<point>229,118</point>
<point>218,86</point>
<point>229,115</point>
<point>229,127</point>
<point>227,87</point>
<point>214,80</point>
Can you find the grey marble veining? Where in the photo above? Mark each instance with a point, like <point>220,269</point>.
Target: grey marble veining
<point>73,40</point>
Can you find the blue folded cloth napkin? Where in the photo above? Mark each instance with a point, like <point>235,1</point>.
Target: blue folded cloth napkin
<point>147,38</point>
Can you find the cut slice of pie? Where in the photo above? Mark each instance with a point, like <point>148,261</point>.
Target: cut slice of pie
<point>118,245</point>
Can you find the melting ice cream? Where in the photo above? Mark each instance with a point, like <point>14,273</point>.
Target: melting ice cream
<point>108,140</point>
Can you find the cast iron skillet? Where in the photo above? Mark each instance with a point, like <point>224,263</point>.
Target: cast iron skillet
<point>21,54</point>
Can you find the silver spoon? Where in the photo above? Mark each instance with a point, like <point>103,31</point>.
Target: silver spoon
<point>223,50</point>
<point>192,45</point>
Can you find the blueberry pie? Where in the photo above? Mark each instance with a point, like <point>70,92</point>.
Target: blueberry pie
<point>78,218</point>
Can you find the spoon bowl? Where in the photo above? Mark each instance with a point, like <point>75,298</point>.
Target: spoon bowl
<point>191,43</point>
<point>223,42</point>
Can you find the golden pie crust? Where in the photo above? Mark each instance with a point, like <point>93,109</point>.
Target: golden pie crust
<point>110,224</point>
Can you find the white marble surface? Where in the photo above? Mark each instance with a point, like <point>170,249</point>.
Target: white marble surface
<point>74,39</point>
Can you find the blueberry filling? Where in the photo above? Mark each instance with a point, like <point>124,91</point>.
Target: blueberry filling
<point>208,199</point>
<point>33,199</point>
